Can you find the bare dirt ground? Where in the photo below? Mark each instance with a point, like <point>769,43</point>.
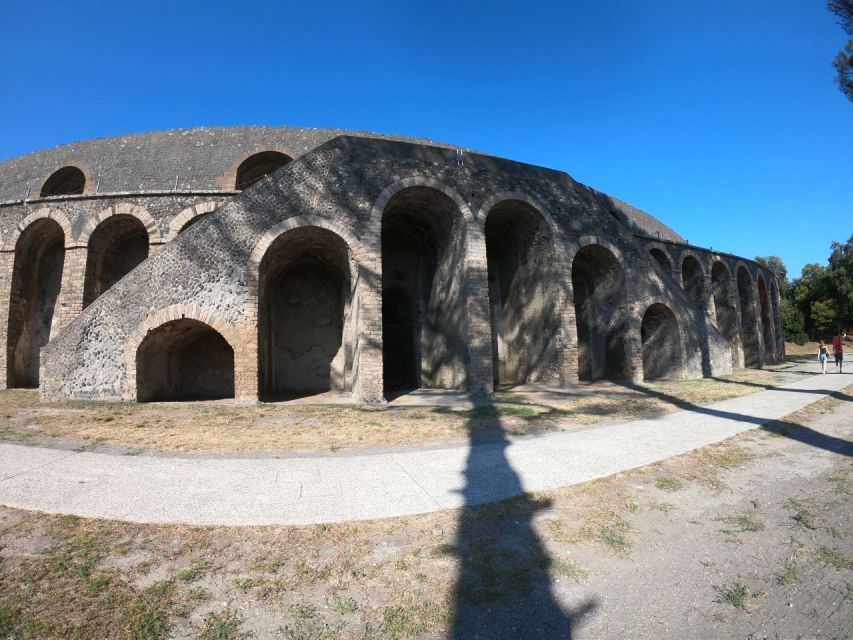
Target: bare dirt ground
<point>222,427</point>
<point>751,538</point>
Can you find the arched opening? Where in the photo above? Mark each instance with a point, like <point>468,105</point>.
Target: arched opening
<point>304,295</point>
<point>36,280</point>
<point>766,328</point>
<point>692,280</point>
<point>184,360</point>
<point>116,247</point>
<point>662,259</point>
<point>68,181</point>
<point>192,221</point>
<point>422,262</point>
<point>725,316</point>
<point>523,317</point>
<point>777,319</point>
<point>748,320</point>
<point>598,283</point>
<point>259,166</point>
<point>661,339</point>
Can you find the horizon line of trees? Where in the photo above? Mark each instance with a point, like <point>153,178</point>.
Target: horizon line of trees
<point>819,303</point>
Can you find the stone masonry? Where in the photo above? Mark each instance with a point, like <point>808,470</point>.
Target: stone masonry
<point>262,263</point>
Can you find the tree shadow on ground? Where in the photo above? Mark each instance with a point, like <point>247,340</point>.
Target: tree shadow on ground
<point>792,430</point>
<point>504,585</point>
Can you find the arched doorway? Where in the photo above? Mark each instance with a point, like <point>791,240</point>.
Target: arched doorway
<point>693,280</point>
<point>725,315</point>
<point>304,294</point>
<point>661,340</point>
<point>766,319</point>
<point>748,320</point>
<point>599,290</point>
<point>116,247</point>
<point>184,360</point>
<point>662,259</point>
<point>36,281</point>
<point>422,267</point>
<point>257,167</point>
<point>522,303</point>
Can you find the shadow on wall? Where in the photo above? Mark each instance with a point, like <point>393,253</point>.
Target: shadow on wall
<point>504,585</point>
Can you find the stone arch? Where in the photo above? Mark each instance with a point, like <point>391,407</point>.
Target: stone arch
<point>172,316</point>
<point>306,281</point>
<point>660,256</point>
<point>661,342</point>
<point>423,252</point>
<point>188,217</point>
<point>393,189</point>
<point>693,279</point>
<point>725,314</point>
<point>766,318</point>
<point>123,208</point>
<point>36,280</point>
<point>748,319</point>
<point>598,283</point>
<point>519,196</point>
<point>71,179</point>
<point>522,290</point>
<point>117,244</point>
<point>46,212</point>
<point>254,165</point>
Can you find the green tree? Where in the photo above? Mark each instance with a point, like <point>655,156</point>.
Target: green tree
<point>777,266</point>
<point>793,322</point>
<point>843,62</point>
<point>841,275</point>
<point>823,316</point>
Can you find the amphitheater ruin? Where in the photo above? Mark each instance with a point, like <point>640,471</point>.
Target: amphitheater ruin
<point>260,263</point>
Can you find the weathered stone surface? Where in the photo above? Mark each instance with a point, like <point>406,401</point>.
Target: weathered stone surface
<point>492,271</point>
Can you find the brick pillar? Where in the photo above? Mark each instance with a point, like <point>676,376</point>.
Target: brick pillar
<point>367,373</point>
<point>633,343</point>
<point>755,303</point>
<point>70,301</point>
<point>479,329</point>
<point>7,265</point>
<point>246,359</point>
<point>567,336</point>
<point>738,357</point>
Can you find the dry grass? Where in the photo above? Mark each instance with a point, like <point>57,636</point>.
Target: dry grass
<point>66,577</point>
<point>223,427</point>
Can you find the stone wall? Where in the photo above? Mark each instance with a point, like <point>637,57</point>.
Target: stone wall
<point>486,302</point>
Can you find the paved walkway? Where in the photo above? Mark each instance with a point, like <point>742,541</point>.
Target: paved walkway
<point>257,491</point>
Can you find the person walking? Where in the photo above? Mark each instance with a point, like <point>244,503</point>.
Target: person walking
<point>823,355</point>
<point>838,350</point>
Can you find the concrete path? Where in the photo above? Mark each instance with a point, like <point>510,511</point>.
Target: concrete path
<point>258,491</point>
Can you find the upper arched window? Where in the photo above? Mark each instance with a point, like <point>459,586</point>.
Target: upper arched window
<point>259,166</point>
<point>67,181</point>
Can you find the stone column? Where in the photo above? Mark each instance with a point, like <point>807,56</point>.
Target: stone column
<point>7,265</point>
<point>633,343</point>
<point>567,337</point>
<point>738,356</point>
<point>367,364</point>
<point>479,330</point>
<point>70,301</point>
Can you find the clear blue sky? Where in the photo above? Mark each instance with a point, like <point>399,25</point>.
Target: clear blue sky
<point>719,117</point>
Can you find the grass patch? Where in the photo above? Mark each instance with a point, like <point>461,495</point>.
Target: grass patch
<point>669,483</point>
<point>803,514</point>
<point>834,558</point>
<point>615,536</point>
<point>224,626</point>
<point>789,574</point>
<point>569,569</point>
<point>194,571</point>
<point>746,523</point>
<point>736,594</point>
